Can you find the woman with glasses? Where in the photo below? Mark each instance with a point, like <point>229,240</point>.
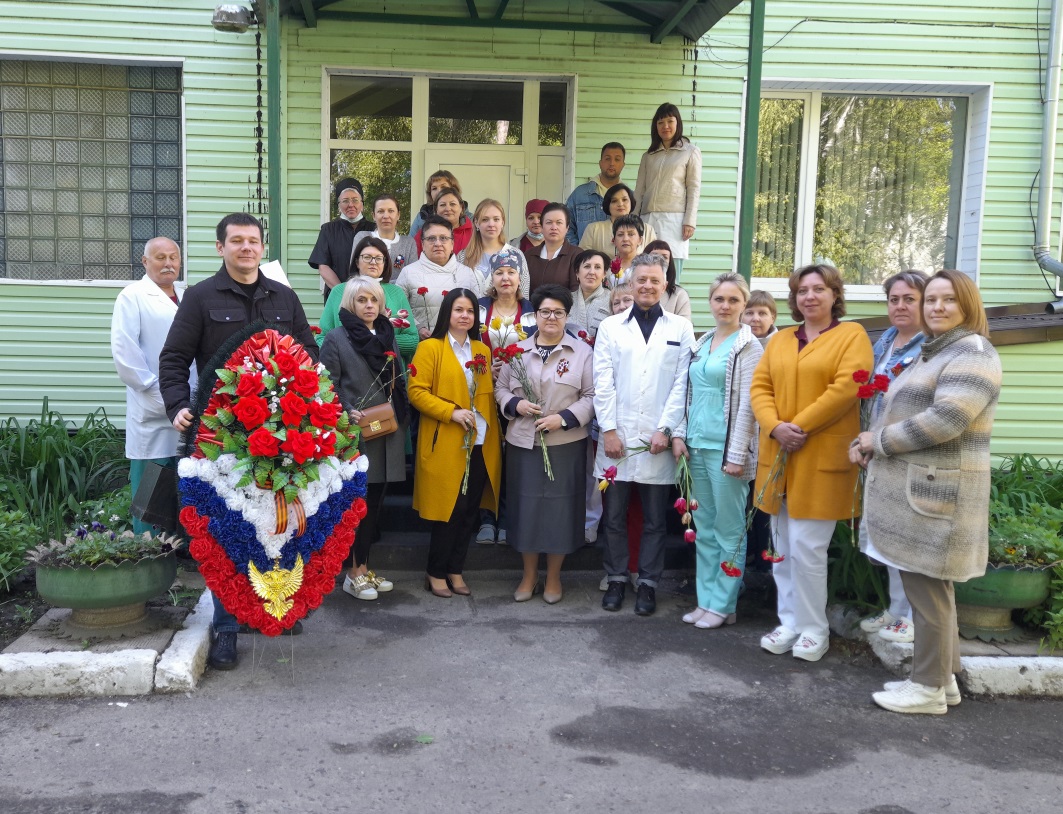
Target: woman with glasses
<point>371,260</point>
<point>546,515</point>
<point>334,249</point>
<point>436,272</point>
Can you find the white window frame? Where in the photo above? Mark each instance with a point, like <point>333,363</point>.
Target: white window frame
<point>419,142</point>
<point>972,194</point>
<point>154,62</point>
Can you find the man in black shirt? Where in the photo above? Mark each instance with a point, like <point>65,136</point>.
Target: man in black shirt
<point>211,312</point>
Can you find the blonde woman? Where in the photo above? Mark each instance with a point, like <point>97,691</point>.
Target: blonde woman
<point>489,238</point>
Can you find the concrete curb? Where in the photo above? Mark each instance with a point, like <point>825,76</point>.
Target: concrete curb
<point>123,672</point>
<point>182,663</point>
<point>983,675</point>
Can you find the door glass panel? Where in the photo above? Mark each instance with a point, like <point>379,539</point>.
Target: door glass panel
<point>553,100</point>
<point>778,172</point>
<point>371,108</point>
<point>379,171</point>
<point>475,111</point>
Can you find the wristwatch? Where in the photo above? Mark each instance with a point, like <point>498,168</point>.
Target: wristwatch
<point>667,431</point>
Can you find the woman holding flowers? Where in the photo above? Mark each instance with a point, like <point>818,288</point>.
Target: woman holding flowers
<point>546,389</point>
<point>927,504</point>
<point>894,351</point>
<point>458,464</point>
<point>371,260</point>
<point>362,356</point>
<point>719,431</point>
<point>804,399</point>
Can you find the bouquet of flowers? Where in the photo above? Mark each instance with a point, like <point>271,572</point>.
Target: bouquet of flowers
<point>274,487</point>
<point>478,366</point>
<point>686,504</point>
<point>503,331</point>
<point>512,355</point>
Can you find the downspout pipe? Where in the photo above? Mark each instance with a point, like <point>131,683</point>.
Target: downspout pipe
<point>750,137</point>
<point>274,149</point>
<point>1041,250</point>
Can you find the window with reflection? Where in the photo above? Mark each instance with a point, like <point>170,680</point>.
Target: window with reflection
<point>475,111</point>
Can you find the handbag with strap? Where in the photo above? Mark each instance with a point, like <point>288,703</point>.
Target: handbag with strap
<point>378,421</point>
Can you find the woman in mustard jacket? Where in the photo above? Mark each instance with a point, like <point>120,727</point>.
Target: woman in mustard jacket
<point>450,385</point>
<point>804,399</point>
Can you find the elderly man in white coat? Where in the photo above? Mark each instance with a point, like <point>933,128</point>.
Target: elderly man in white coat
<point>641,358</point>
<point>141,320</point>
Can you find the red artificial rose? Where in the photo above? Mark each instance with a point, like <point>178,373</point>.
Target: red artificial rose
<point>251,411</point>
<point>250,384</point>
<point>862,376</point>
<point>286,363</point>
<point>324,414</point>
<point>881,382</point>
<point>262,443</point>
<point>294,408</point>
<point>865,391</point>
<point>326,445</point>
<point>306,383</point>
<point>301,445</point>
<point>423,290</point>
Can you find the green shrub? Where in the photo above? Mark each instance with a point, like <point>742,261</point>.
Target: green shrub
<point>49,467</point>
<point>17,536</point>
<point>852,579</point>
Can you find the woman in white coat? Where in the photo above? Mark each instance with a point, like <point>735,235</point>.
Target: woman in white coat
<point>142,316</point>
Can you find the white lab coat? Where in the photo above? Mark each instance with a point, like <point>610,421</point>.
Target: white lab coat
<point>141,320</point>
<point>640,387</point>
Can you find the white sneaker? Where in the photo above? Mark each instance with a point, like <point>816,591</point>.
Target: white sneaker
<point>877,622</point>
<point>810,648</point>
<point>779,640</point>
<point>903,630</point>
<point>360,587</point>
<point>486,534</point>
<point>502,537</point>
<point>604,584</point>
<point>694,615</point>
<point>952,690</point>
<point>913,698</point>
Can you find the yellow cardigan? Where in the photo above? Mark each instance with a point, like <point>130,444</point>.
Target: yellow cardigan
<point>813,389</point>
<point>435,389</point>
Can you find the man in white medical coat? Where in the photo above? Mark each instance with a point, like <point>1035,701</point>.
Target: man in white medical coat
<point>142,316</point>
<point>641,358</point>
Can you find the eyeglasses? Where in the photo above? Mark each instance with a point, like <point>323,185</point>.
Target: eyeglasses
<point>547,314</point>
<point>349,200</point>
<point>371,259</point>
<point>438,239</point>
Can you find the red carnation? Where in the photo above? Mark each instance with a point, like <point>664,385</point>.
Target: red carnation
<point>263,444</point>
<point>294,408</point>
<point>881,382</point>
<point>865,391</point>
<point>771,555</point>
<point>731,569</point>
<point>251,411</point>
<point>423,290</point>
<point>250,384</point>
<point>390,354</point>
<point>286,363</point>
<point>301,445</point>
<point>862,376</point>
<point>411,368</point>
<point>315,330</point>
<point>306,383</point>
<point>324,414</point>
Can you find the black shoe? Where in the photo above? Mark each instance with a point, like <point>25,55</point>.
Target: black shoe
<point>223,654</point>
<point>645,600</point>
<point>294,630</point>
<point>614,596</point>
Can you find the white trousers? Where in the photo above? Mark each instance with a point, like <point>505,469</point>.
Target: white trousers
<point>594,498</point>
<point>801,576</point>
<point>900,607</point>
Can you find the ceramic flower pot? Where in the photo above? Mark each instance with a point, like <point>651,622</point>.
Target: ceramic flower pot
<point>109,596</point>
<point>984,604</point>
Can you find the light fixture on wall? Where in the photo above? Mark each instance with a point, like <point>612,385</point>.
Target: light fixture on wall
<point>232,18</point>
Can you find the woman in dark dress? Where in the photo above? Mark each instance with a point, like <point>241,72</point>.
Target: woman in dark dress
<point>335,242</point>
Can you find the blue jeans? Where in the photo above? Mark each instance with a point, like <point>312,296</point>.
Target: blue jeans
<point>224,622</point>
<point>721,529</point>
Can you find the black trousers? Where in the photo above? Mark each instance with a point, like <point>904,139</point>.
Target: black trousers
<point>369,528</point>
<point>450,540</point>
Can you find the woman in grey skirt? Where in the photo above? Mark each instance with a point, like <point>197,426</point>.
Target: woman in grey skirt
<point>546,516</point>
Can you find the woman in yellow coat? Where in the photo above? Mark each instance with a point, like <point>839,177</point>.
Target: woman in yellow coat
<point>450,385</point>
<point>804,399</point>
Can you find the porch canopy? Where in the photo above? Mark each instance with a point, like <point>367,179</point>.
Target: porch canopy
<point>656,19</point>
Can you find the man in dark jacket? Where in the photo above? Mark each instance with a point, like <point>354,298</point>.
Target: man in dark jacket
<point>211,312</point>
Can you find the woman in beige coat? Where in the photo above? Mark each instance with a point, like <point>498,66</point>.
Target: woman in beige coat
<point>927,498</point>
<point>547,515</point>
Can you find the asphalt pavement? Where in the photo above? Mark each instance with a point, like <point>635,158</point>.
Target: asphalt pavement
<point>413,703</point>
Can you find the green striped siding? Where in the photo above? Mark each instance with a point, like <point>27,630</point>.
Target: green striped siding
<point>1028,416</point>
<point>55,339</point>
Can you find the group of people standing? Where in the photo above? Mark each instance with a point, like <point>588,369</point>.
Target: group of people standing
<point>540,377</point>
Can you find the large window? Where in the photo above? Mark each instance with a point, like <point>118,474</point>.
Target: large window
<point>90,167</point>
<point>870,184</point>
